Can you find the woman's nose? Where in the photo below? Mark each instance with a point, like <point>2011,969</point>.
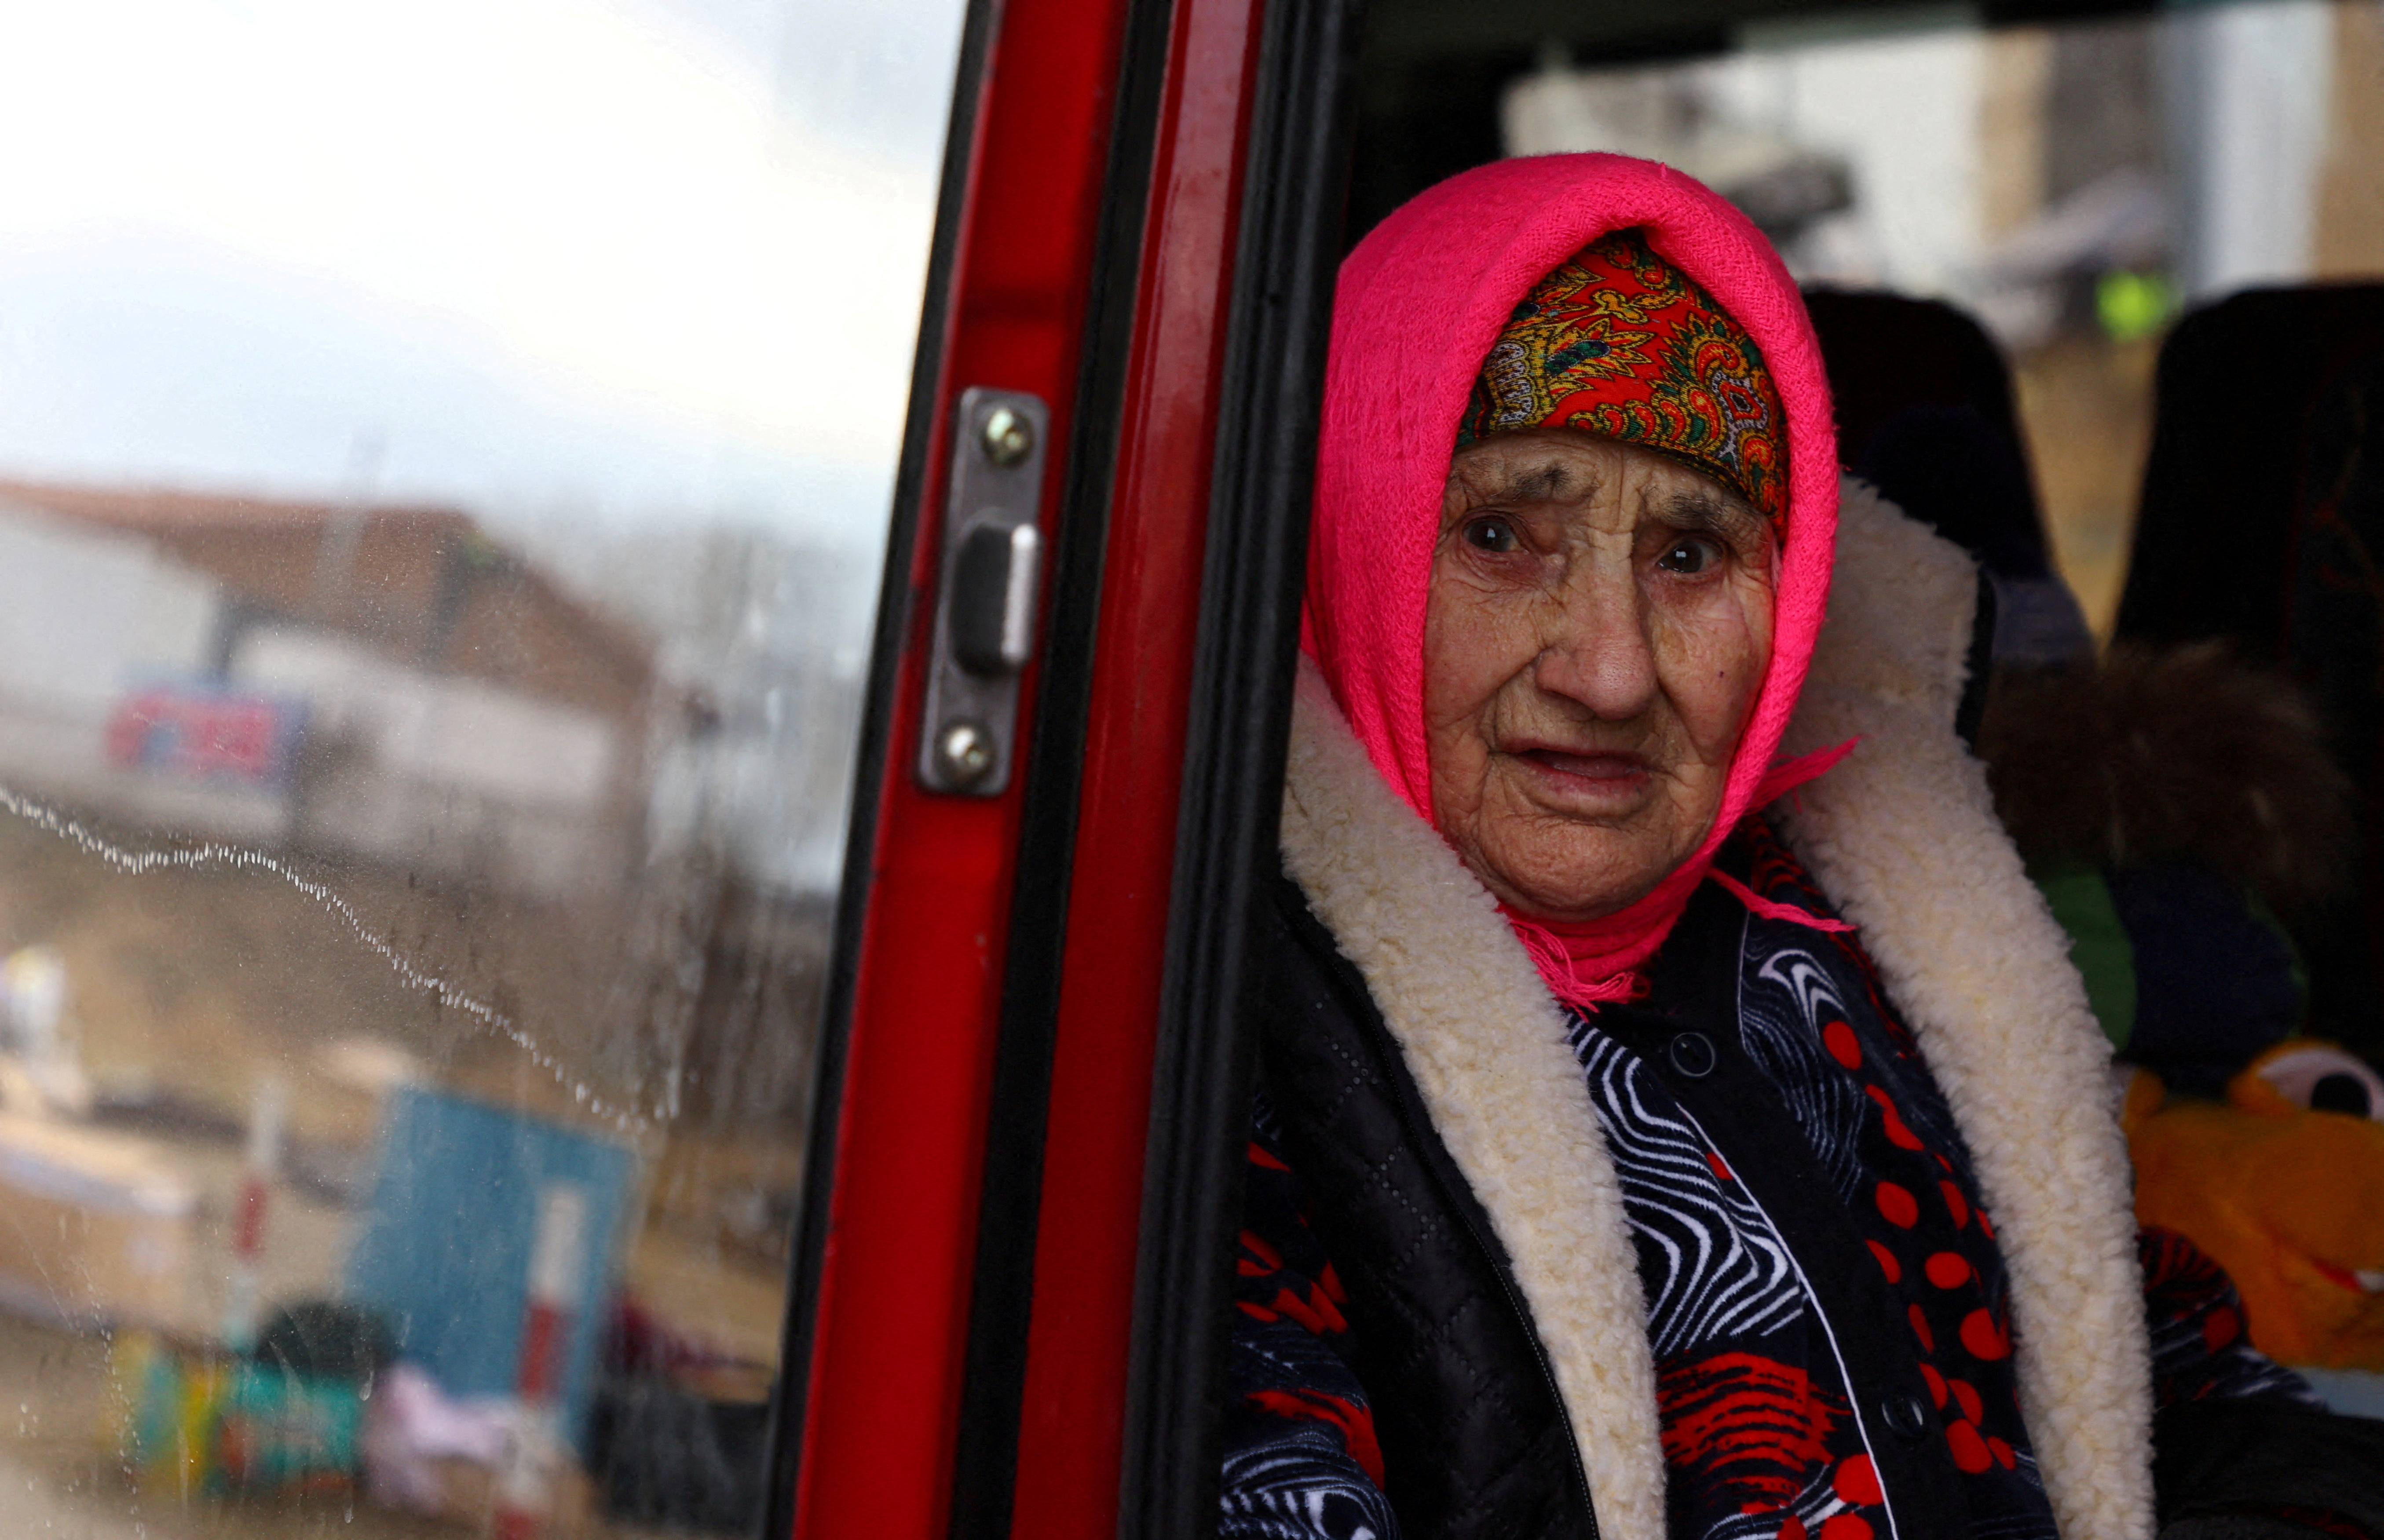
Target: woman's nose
<point>1596,652</point>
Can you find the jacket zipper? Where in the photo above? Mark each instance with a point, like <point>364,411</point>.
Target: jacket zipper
<point>1547,1372</point>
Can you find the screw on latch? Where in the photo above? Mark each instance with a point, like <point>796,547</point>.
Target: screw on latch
<point>1008,437</point>
<point>964,752</point>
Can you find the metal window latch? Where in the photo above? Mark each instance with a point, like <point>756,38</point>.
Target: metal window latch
<point>991,578</point>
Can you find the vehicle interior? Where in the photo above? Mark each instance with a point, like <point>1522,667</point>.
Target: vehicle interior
<point>640,718</point>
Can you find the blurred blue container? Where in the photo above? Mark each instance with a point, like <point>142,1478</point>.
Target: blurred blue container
<point>446,1240</point>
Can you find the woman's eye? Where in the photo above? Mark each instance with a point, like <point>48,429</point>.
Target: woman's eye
<point>1494,534</point>
<point>1690,556</point>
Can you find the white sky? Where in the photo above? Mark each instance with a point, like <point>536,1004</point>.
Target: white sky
<point>652,256</point>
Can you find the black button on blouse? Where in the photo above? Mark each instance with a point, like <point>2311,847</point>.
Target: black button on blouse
<point>1692,1055</point>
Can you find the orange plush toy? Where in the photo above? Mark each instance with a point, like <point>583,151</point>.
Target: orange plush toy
<point>2283,1184</point>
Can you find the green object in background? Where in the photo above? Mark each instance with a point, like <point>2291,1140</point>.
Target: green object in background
<point>2132,306</point>
<point>221,1425</point>
<point>279,1431</point>
<point>2099,945</point>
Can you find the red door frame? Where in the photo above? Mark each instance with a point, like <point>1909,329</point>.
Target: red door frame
<point>1073,1420</point>
<point>889,1320</point>
<point>890,1316</point>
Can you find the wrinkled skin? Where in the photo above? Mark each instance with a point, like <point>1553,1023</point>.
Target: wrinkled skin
<point>1599,629</point>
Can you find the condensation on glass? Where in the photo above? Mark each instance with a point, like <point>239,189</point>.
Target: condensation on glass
<point>445,457</point>
<point>2075,186</point>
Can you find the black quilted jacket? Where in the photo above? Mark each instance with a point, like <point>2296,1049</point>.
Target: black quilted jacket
<point>1474,1442</point>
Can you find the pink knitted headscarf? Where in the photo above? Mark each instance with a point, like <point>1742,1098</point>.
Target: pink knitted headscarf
<point>1420,301</point>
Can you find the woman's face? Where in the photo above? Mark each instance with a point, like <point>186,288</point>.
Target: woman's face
<point>1599,624</point>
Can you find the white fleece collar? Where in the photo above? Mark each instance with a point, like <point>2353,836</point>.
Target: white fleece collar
<point>1904,839</point>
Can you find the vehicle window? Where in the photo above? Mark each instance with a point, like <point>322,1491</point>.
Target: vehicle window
<point>446,452</point>
<point>2073,186</point>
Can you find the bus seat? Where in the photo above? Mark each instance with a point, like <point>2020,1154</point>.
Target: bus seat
<point>2261,525</point>
<point>1926,414</point>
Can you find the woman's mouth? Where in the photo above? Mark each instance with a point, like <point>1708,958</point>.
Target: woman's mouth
<point>1592,773</point>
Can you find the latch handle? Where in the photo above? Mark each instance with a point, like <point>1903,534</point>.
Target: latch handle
<point>986,591</point>
<point>993,597</point>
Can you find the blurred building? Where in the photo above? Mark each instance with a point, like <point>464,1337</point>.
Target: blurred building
<point>2075,185</point>
<point>376,682</point>
<point>2009,168</point>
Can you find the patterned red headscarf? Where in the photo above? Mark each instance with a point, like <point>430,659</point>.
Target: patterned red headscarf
<point>1619,341</point>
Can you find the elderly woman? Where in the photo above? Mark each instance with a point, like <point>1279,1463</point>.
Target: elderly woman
<point>1678,1115</point>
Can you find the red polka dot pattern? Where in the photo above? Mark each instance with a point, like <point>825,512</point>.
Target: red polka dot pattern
<point>1983,1339</point>
<point>1899,1133</point>
<point>1956,1204</point>
<point>1845,1526</point>
<point>1890,1153</point>
<point>1917,1247</point>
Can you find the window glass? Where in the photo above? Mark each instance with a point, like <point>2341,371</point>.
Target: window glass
<point>445,457</point>
<point>2074,186</point>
